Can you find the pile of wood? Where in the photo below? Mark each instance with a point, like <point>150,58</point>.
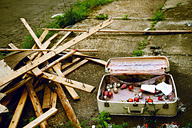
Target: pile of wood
<point>40,63</point>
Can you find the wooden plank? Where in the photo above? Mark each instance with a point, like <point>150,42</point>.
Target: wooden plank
<point>18,110</point>
<point>69,64</point>
<point>74,67</point>
<point>36,103</point>
<point>44,58</point>
<point>53,99</point>
<point>67,107</point>
<point>71,91</point>
<point>41,118</point>
<point>58,60</point>
<point>61,40</point>
<point>43,35</point>
<point>46,98</point>
<point>68,82</point>
<point>84,50</point>
<point>11,45</point>
<point>5,49</point>
<point>39,88</point>
<point>127,31</point>
<point>102,62</point>
<point>31,32</point>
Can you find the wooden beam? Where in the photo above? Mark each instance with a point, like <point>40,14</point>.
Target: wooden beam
<point>102,62</point>
<point>67,107</point>
<point>45,57</point>
<point>41,118</point>
<point>71,91</point>
<point>46,98</point>
<point>74,67</point>
<point>18,110</point>
<point>68,82</point>
<point>43,35</point>
<point>126,31</point>
<point>53,99</point>
<point>84,50</point>
<point>36,103</point>
<point>5,49</point>
<point>69,64</point>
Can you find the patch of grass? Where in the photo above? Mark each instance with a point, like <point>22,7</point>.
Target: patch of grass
<point>125,17</point>
<point>137,53</point>
<point>102,17</point>
<point>102,120</point>
<point>142,44</point>
<point>178,4</point>
<point>158,16</point>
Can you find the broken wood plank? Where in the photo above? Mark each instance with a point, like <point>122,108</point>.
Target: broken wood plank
<point>69,82</point>
<point>82,55</point>
<point>69,64</point>
<point>36,103</point>
<point>127,31</point>
<point>43,35</point>
<point>71,91</point>
<point>12,46</point>
<point>84,50</point>
<point>18,110</point>
<point>102,62</point>
<point>45,57</point>
<point>61,40</point>
<point>46,98</point>
<point>74,67</point>
<point>41,118</point>
<point>67,106</point>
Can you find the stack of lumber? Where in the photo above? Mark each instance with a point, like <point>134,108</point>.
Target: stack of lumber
<point>41,64</point>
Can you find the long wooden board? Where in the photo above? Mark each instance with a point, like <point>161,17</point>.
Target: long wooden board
<point>126,31</point>
<point>45,57</point>
<point>69,64</point>
<point>46,98</point>
<point>102,62</point>
<point>64,81</point>
<point>41,118</point>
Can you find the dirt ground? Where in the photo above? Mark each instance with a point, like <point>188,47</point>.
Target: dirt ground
<point>176,47</point>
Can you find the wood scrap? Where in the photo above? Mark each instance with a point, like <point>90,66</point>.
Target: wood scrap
<point>36,50</point>
<point>36,103</point>
<point>66,105</point>
<point>102,62</point>
<point>71,91</point>
<point>41,118</point>
<point>53,99</point>
<point>18,110</point>
<point>46,98</point>
<point>45,57</point>
<point>69,64</point>
<point>74,67</point>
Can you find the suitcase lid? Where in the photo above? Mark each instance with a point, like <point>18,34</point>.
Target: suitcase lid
<point>150,65</point>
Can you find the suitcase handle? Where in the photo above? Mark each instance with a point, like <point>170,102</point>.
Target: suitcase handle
<point>139,112</point>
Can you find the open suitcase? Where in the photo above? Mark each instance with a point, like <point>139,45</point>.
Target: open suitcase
<point>138,86</point>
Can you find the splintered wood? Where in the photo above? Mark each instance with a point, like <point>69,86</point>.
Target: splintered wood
<point>46,65</point>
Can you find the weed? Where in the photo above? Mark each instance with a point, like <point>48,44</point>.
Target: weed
<point>158,16</point>
<point>178,4</point>
<point>125,17</point>
<point>102,120</point>
<point>102,17</point>
<point>142,44</point>
<point>137,53</point>
<point>124,125</point>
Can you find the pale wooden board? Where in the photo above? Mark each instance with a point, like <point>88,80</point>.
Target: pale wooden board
<point>46,98</point>
<point>102,62</point>
<point>69,64</point>
<point>18,110</point>
<point>67,106</point>
<point>75,84</point>
<point>36,103</point>
<point>45,57</point>
<point>41,118</point>
<point>71,91</point>
<point>74,67</point>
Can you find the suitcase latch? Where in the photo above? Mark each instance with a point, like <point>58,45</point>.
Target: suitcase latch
<point>135,104</point>
<point>106,104</point>
<point>166,106</point>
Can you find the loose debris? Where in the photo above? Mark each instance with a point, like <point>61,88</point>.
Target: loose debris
<point>40,64</point>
